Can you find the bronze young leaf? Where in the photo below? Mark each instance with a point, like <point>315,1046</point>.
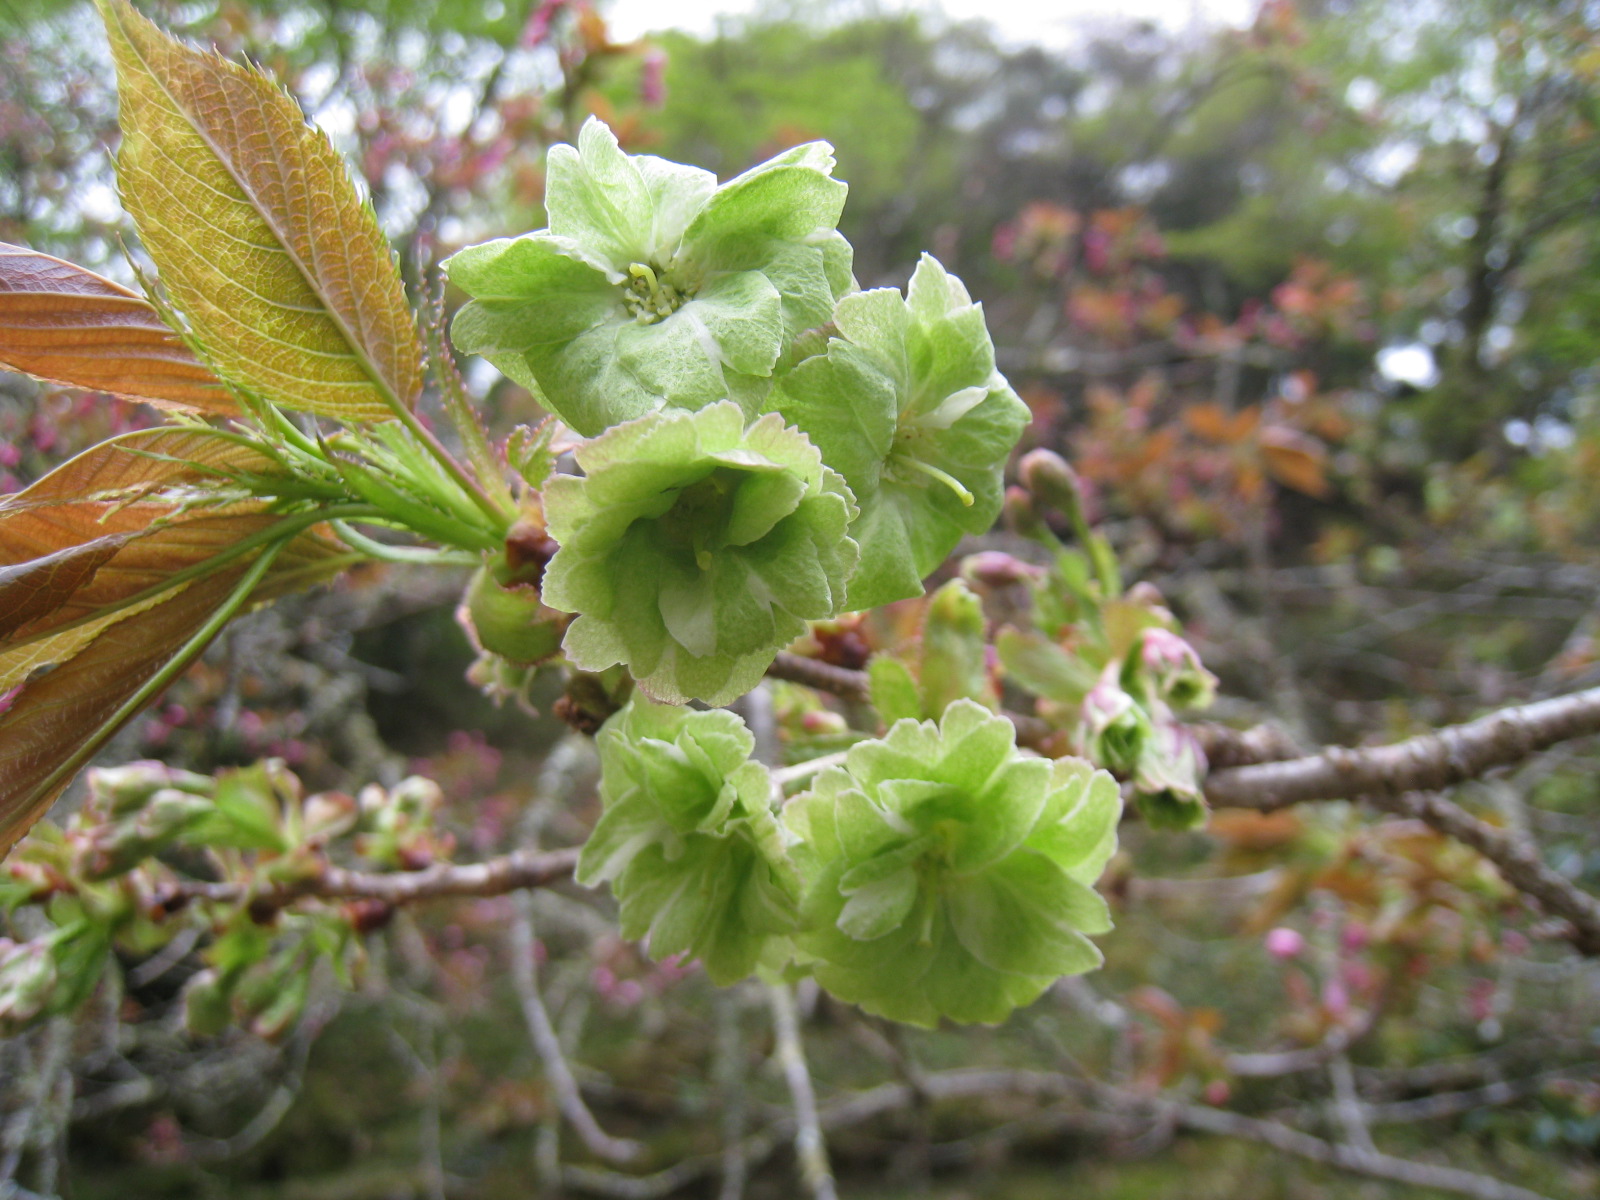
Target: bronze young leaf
<point>68,325</point>
<point>113,577</point>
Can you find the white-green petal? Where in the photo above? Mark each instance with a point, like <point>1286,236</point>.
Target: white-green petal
<point>877,908</point>
<point>848,408</point>
<point>741,315</point>
<point>595,196</point>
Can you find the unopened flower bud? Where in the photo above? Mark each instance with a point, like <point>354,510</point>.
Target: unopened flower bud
<point>116,847</point>
<point>368,915</point>
<point>373,800</point>
<point>511,620</point>
<point>820,722</point>
<point>27,981</point>
<point>1170,668</point>
<point>1284,943</point>
<point>1147,595</point>
<point>1112,727</point>
<point>1047,475</point>
<point>329,814</point>
<point>1022,518</point>
<point>996,569</point>
<point>118,791</point>
<point>417,796</point>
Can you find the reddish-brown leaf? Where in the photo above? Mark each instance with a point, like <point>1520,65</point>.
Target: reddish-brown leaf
<point>1214,423</point>
<point>77,680</point>
<point>136,464</point>
<point>1295,460</point>
<point>58,712</point>
<point>112,567</point>
<point>96,532</point>
<point>65,324</point>
<point>33,590</point>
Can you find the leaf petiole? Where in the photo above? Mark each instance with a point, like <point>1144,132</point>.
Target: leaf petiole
<point>413,555</point>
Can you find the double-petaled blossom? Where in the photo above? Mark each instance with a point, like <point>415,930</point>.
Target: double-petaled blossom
<point>653,286</point>
<point>947,875</point>
<point>906,404</point>
<point>694,548</point>
<point>687,838</point>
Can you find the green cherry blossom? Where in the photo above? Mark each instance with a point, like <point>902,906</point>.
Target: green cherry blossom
<point>694,549</point>
<point>653,286</point>
<point>687,838</point>
<point>906,404</point>
<point>946,875</point>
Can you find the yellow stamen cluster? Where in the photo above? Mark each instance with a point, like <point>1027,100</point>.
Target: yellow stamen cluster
<point>653,297</point>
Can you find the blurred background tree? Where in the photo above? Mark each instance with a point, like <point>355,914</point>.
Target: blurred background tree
<point>1311,307</point>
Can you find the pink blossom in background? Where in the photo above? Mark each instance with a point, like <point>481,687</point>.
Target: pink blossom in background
<point>1284,943</point>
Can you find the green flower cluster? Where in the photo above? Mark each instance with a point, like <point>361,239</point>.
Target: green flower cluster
<point>940,873</point>
<point>946,875</point>
<point>694,548</point>
<point>687,838</point>
<point>746,473</point>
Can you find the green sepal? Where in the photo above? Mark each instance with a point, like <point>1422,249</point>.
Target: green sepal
<point>510,620</point>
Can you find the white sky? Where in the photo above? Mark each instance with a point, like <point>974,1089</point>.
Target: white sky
<point>1018,21</point>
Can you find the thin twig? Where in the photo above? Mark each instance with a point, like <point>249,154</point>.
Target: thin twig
<point>809,1146</point>
<point>1430,762</point>
<point>424,1068</point>
<point>1346,1157</point>
<point>525,978</point>
<point>267,1118</point>
<point>824,677</point>
<point>1270,1064</point>
<point>493,877</point>
<point>729,1074</point>
<point>1516,859</point>
<point>1441,1105</point>
<point>29,1126</point>
<point>1347,1104</point>
<point>170,955</point>
<point>1226,747</point>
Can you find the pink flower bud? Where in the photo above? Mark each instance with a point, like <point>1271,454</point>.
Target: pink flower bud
<point>1353,938</point>
<point>1047,475</point>
<point>653,79</point>
<point>1284,943</point>
<point>1336,999</point>
<point>995,568</point>
<point>1173,668</point>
